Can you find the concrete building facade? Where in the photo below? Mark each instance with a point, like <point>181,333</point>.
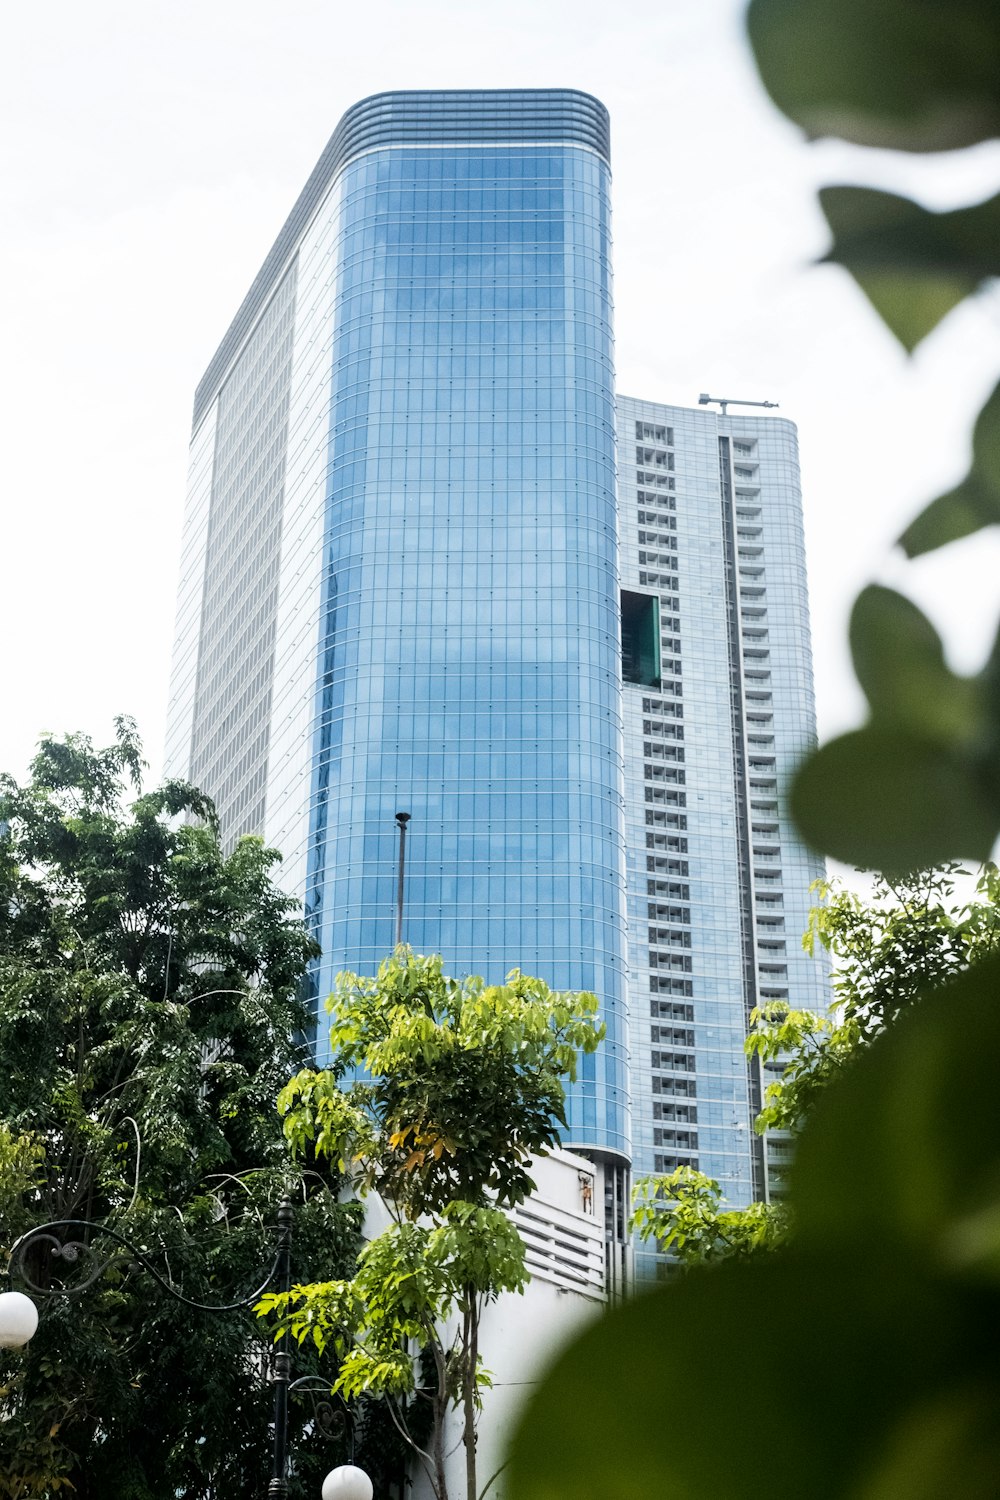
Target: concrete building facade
<point>718,709</point>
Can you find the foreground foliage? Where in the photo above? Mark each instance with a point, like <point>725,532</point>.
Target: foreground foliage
<point>457,1085</point>
<point>884,1308</point>
<point>920,783</point>
<point>869,1368</point>
<point>149,1000</point>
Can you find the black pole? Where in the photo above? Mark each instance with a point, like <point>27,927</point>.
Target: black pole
<point>278,1488</point>
<point>402,818</point>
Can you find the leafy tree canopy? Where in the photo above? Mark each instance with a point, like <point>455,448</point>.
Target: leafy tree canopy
<point>150,1010</point>
<point>460,1082</point>
<point>682,1211</point>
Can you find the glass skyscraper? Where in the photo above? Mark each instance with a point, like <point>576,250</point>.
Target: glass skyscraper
<point>406,586</point>
<point>400,581</point>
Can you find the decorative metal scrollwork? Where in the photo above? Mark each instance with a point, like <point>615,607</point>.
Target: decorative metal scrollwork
<point>328,1409</point>
<point>70,1250</point>
<point>73,1249</point>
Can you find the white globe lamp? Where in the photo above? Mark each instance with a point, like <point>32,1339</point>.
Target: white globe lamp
<point>347,1483</point>
<point>18,1319</point>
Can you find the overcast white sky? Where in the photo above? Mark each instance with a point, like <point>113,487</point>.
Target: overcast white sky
<point>150,154</point>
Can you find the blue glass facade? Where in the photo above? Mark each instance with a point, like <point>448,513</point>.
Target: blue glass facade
<point>468,656</point>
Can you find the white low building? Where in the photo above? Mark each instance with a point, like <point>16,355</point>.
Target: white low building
<point>562,1225</point>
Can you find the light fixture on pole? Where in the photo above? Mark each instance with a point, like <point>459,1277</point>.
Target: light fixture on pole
<point>18,1319</point>
<point>347,1483</point>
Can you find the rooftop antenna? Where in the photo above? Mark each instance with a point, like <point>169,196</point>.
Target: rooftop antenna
<point>402,818</point>
<point>705,399</point>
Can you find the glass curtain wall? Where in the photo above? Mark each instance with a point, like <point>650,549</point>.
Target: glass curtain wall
<point>469,667</point>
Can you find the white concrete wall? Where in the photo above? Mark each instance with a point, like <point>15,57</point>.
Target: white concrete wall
<point>296,666</point>
<point>184,669</point>
<point>520,1335</point>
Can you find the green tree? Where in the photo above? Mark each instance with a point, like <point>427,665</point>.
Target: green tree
<point>456,1086</point>
<point>149,1012</point>
<point>683,1212</point>
<point>908,936</point>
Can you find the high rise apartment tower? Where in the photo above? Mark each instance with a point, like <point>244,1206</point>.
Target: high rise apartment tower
<point>718,708</point>
<point>408,584</point>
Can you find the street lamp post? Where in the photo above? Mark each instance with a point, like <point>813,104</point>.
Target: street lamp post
<point>278,1488</point>
<point>402,818</point>
<point>19,1320</point>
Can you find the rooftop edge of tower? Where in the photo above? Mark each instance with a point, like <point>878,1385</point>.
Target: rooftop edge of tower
<point>404,117</point>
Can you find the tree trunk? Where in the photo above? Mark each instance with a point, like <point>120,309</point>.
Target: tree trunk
<point>437,1444</point>
<point>471,1351</point>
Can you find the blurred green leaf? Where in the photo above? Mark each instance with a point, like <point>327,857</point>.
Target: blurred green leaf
<point>974,503</point>
<point>920,784</point>
<point>906,1149</point>
<point>913,77</point>
<point>913,265</point>
<point>886,800</point>
<point>899,661</point>
<point>663,1396</point>
<point>949,1446</point>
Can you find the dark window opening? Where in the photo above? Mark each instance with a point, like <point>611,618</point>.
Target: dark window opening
<point>641,639</point>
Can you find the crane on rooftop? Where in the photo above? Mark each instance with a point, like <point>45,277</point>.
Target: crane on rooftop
<point>705,399</point>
